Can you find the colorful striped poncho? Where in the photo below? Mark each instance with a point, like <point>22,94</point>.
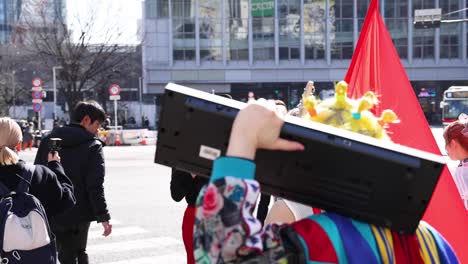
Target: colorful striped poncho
<point>227,232</point>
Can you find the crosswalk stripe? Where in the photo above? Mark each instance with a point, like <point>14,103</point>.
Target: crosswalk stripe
<point>173,259</point>
<point>96,225</point>
<point>117,232</point>
<point>162,242</point>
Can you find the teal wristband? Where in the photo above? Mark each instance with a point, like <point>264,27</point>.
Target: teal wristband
<point>233,167</point>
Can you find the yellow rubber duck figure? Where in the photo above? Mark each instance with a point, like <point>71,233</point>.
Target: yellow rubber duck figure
<point>353,115</point>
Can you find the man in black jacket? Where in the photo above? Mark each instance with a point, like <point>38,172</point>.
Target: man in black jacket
<point>83,161</point>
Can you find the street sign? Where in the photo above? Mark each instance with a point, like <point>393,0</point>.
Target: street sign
<point>37,107</point>
<point>37,101</point>
<point>427,18</point>
<point>37,94</point>
<point>114,97</point>
<point>114,89</point>
<point>36,88</point>
<point>36,82</point>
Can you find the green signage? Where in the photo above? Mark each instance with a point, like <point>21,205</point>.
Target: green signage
<point>263,8</point>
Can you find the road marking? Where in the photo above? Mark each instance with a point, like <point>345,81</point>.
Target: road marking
<point>173,259</point>
<point>160,242</point>
<point>118,232</point>
<point>96,225</point>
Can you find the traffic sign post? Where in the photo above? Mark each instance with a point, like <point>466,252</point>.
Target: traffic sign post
<point>37,107</point>
<point>37,94</point>
<point>37,82</point>
<point>37,99</point>
<point>114,91</point>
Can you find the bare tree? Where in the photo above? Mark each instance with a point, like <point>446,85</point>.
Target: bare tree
<point>79,60</point>
<point>125,75</point>
<point>6,90</point>
<point>14,72</point>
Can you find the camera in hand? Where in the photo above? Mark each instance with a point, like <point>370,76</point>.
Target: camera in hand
<point>55,144</point>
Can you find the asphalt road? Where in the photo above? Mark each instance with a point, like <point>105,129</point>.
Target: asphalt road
<point>147,222</point>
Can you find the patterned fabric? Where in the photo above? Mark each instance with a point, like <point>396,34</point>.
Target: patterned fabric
<point>227,232</point>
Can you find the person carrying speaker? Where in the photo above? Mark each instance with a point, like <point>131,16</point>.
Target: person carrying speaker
<point>225,230</point>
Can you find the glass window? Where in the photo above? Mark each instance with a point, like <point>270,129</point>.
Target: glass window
<point>362,6</point>
<point>263,38</point>
<point>450,42</point>
<point>289,21</point>
<point>237,30</point>
<point>3,21</point>
<point>341,32</point>
<point>314,29</point>
<point>2,13</point>
<point>263,29</point>
<point>423,39</point>
<point>183,30</point>
<point>163,8</point>
<point>396,20</point>
<point>211,33</point>
<point>150,8</point>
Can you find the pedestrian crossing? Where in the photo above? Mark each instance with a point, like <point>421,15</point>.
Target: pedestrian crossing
<point>133,245</point>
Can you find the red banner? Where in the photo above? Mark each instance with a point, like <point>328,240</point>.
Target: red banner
<point>376,66</point>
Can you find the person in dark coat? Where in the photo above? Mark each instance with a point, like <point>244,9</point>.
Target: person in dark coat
<point>49,183</point>
<point>184,184</point>
<point>83,160</point>
<point>28,136</point>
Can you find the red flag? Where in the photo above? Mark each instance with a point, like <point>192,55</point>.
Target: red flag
<point>376,66</point>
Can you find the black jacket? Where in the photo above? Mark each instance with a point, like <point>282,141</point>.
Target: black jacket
<point>49,184</point>
<point>83,160</point>
<point>183,185</point>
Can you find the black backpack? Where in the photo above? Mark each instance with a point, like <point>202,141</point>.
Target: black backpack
<point>25,234</point>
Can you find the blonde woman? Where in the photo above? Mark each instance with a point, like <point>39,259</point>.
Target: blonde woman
<point>49,183</point>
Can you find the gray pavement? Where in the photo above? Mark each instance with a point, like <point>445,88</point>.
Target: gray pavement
<point>147,222</point>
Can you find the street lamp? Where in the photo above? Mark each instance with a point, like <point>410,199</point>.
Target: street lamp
<point>55,89</point>
<point>140,86</point>
<point>14,92</point>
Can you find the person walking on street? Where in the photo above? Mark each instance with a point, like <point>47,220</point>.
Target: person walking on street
<point>28,136</point>
<point>83,160</point>
<point>456,145</point>
<point>47,184</point>
<point>184,184</point>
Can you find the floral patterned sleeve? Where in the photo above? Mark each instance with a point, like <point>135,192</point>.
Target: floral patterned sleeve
<point>225,228</point>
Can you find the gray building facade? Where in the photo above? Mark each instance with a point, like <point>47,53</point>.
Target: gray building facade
<point>15,13</point>
<point>273,47</point>
<point>8,16</point>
